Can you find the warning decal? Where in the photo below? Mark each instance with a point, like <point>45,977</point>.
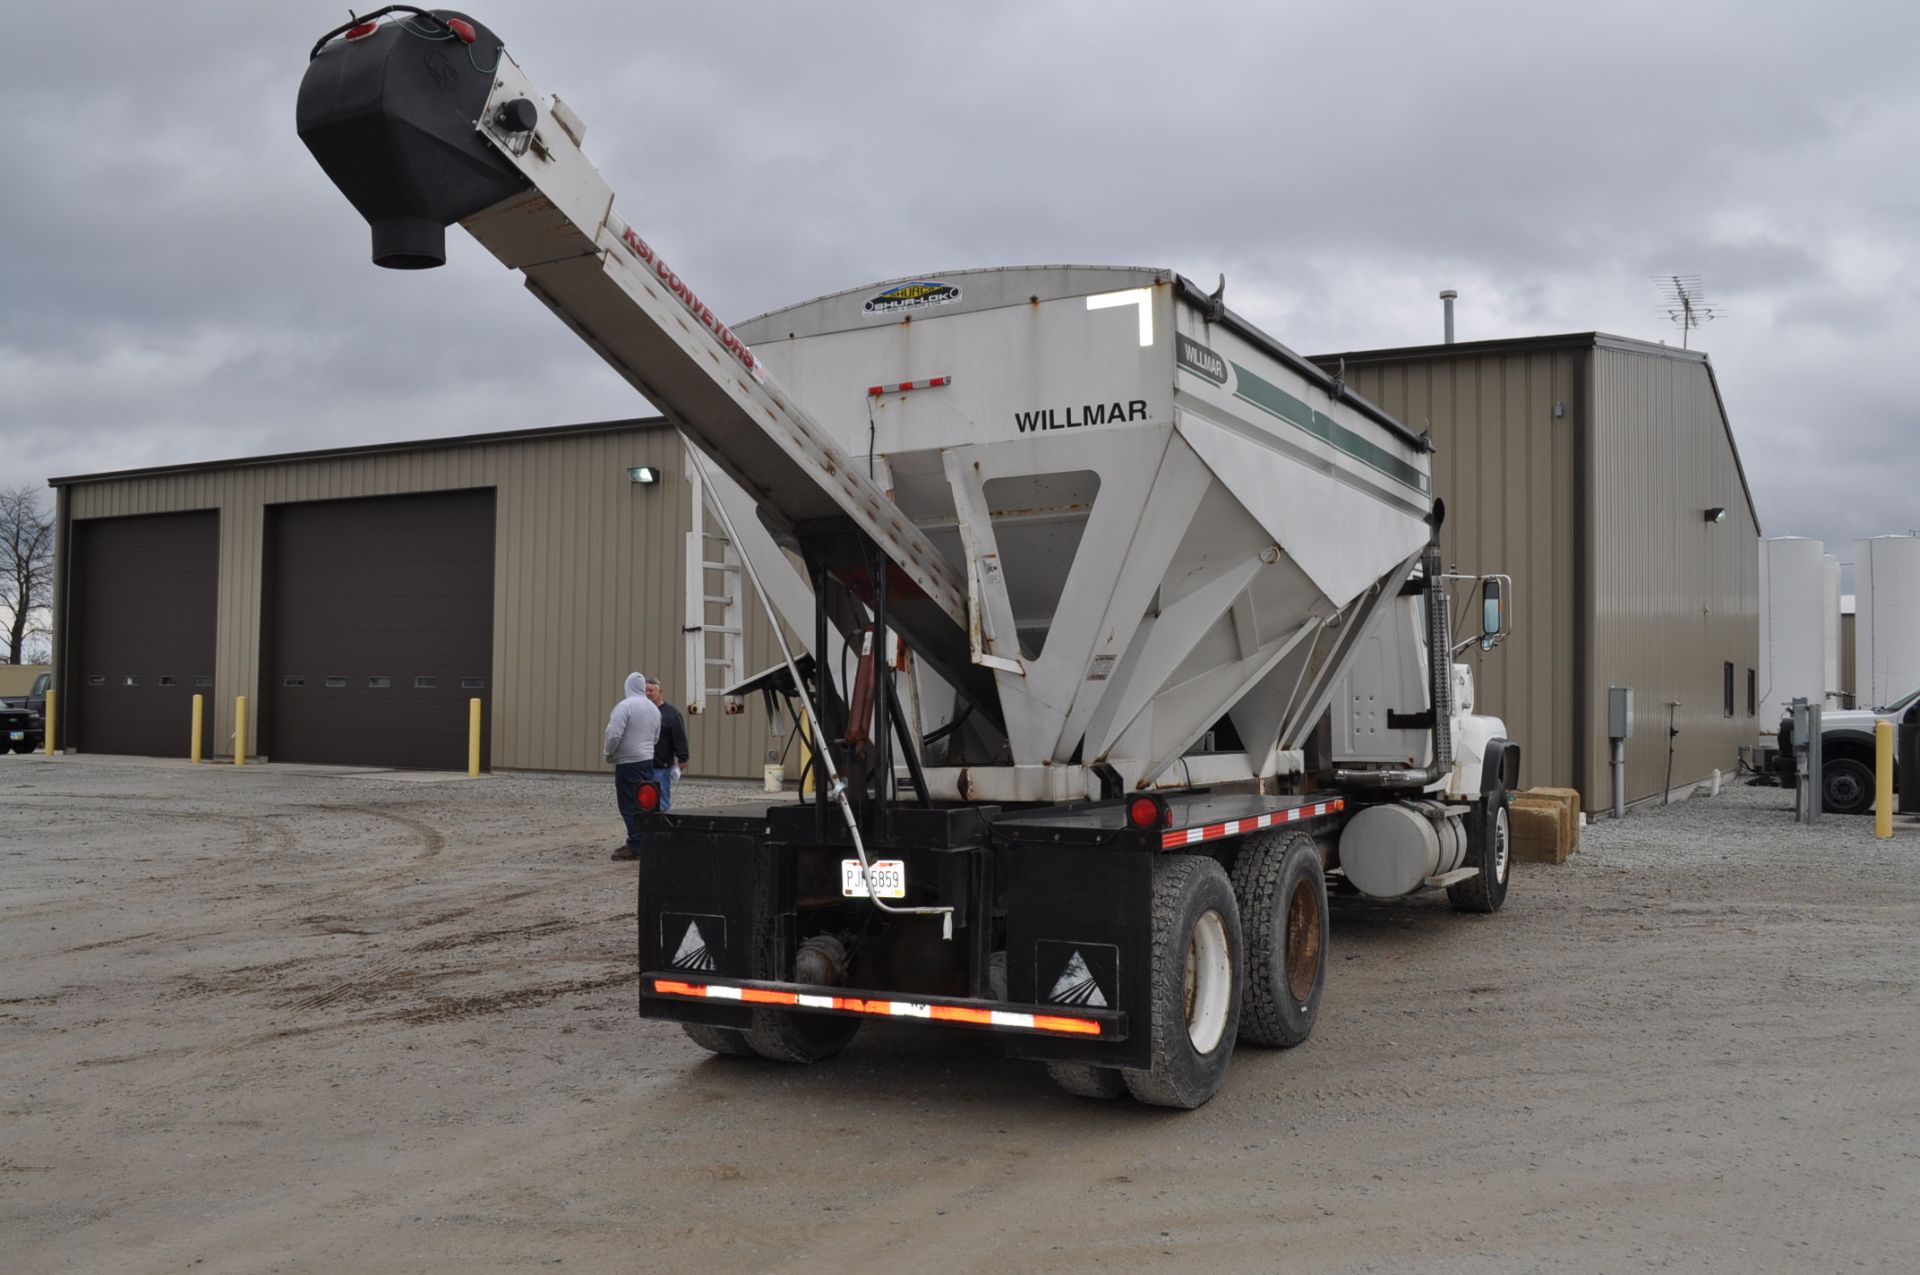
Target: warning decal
<point>1083,974</point>
<point>694,940</point>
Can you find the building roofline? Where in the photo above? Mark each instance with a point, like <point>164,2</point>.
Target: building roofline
<point>1565,341</point>
<point>367,449</point>
<point>1508,345</point>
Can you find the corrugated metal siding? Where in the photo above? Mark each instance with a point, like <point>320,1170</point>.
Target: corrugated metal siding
<point>1505,466</point>
<point>1846,654</point>
<point>587,585</point>
<point>1673,596</point>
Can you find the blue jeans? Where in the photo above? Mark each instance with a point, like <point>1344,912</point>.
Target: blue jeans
<point>663,775</point>
<point>627,778</point>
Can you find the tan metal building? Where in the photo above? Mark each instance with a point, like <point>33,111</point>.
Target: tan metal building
<point>359,597</point>
<point>1590,468</point>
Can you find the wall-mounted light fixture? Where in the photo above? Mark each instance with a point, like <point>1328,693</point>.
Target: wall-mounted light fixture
<point>648,474</point>
<point>1717,514</point>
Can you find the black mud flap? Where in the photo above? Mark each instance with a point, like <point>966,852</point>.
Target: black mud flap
<point>1079,936</point>
<point>698,914</point>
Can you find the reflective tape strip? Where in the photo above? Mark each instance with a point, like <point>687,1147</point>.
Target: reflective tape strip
<point>901,387</point>
<point>1253,823</point>
<point>883,1007</point>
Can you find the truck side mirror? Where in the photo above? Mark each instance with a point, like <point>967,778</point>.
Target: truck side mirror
<point>1493,618</point>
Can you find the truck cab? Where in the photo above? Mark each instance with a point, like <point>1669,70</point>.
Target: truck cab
<point>23,717</point>
<point>1846,741</point>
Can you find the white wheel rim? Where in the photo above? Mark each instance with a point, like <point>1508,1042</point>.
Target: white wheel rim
<point>1209,982</point>
<point>1500,846</point>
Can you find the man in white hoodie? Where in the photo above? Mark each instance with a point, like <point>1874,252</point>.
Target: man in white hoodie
<point>632,732</point>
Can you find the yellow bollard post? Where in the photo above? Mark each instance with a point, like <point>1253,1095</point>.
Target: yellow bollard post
<point>199,720</point>
<point>52,717</point>
<point>473,738</point>
<point>1883,779</point>
<point>239,730</point>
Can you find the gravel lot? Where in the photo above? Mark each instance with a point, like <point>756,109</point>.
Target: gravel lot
<point>292,1019</point>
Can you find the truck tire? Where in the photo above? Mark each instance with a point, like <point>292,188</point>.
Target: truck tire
<point>1846,786</point>
<point>1282,891</point>
<point>1197,959</point>
<point>783,1036</point>
<point>1084,1081</point>
<point>1490,849</point>
<point>718,1040</point>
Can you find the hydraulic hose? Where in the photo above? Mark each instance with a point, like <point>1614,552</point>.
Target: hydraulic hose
<point>823,755</point>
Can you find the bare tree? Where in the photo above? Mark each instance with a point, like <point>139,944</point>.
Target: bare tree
<point>26,568</point>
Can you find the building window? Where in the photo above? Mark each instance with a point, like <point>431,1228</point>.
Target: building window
<point>1726,680</point>
<point>129,680</point>
<point>335,682</point>
<point>1753,693</point>
<point>380,683</point>
<point>293,680</point>
<point>203,679</point>
<point>473,683</point>
<point>165,680</point>
<point>97,679</point>
<point>425,683</point>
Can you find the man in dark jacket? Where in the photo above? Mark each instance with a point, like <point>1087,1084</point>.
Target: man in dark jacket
<point>670,750</point>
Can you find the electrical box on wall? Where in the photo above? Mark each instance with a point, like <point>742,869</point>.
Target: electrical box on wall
<point>1620,712</point>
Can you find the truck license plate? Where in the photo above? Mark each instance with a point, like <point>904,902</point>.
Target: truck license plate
<point>889,879</point>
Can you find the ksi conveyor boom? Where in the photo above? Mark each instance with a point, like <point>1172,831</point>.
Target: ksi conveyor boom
<point>416,153</point>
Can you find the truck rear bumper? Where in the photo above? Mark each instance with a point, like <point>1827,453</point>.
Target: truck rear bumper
<point>946,1011</point>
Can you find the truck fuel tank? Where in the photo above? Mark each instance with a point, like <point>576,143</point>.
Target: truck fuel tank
<point>1388,851</point>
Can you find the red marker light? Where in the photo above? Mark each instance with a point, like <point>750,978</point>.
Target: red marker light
<point>463,30</point>
<point>648,796</point>
<point>362,31</point>
<point>1144,812</point>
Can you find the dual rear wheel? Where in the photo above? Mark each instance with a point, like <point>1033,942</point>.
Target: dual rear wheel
<point>1240,957</point>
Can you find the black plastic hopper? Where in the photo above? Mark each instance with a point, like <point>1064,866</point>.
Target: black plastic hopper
<point>390,115</point>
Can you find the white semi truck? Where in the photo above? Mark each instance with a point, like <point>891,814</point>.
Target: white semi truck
<point>1128,626</point>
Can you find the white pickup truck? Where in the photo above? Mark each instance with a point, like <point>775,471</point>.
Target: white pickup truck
<point>1846,742</point>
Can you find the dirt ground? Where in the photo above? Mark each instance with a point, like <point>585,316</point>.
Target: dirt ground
<point>289,1019</point>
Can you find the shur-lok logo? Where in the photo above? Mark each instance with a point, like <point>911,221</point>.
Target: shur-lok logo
<point>911,296</point>
<point>1074,416</point>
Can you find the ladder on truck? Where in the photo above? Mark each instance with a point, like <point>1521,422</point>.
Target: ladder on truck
<point>716,645</point>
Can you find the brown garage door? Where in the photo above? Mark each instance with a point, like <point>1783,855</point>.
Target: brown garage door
<point>144,596</point>
<point>378,629</point>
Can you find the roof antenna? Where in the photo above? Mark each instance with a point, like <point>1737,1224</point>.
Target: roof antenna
<point>1683,299</point>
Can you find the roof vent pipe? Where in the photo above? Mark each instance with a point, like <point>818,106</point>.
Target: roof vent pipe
<point>1446,303</point>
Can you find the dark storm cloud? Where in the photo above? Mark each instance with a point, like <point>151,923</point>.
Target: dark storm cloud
<point>180,282</point>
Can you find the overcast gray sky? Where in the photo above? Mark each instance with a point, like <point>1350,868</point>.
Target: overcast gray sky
<point>179,281</point>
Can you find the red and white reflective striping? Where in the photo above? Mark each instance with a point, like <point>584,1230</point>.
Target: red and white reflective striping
<point>883,1007</point>
<point>1234,827</point>
<point>901,387</point>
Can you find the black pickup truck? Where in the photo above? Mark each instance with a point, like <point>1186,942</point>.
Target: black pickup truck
<point>23,717</point>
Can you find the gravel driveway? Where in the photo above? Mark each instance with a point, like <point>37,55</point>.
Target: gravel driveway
<point>305,1020</point>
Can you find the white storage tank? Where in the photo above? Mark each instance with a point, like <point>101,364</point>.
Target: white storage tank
<point>1793,631</point>
<point>1886,627</point>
